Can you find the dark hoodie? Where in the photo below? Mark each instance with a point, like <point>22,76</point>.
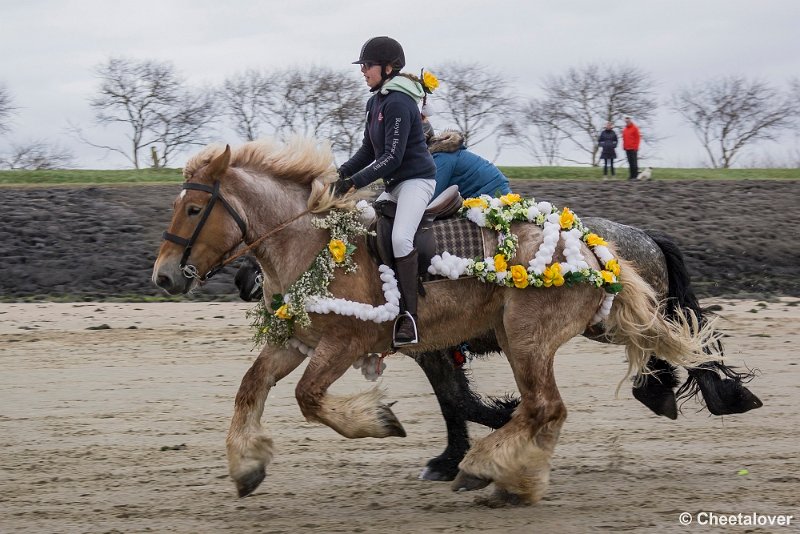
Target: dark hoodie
<point>394,146</point>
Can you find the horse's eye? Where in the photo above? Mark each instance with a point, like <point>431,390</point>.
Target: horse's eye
<point>193,210</point>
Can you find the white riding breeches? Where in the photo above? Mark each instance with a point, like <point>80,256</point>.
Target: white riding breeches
<point>412,197</point>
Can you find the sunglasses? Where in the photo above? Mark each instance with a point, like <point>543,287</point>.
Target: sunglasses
<point>368,65</point>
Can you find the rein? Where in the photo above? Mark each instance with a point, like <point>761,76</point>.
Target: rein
<point>189,270</point>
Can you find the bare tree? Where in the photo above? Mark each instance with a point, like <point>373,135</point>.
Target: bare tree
<point>246,98</point>
<point>6,109</point>
<point>577,104</point>
<point>152,101</point>
<point>729,113</point>
<point>544,143</point>
<point>478,100</point>
<point>38,155</point>
<point>184,123</point>
<point>312,101</point>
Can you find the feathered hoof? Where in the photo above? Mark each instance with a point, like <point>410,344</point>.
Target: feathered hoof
<point>729,397</point>
<point>660,398</point>
<point>438,473</point>
<point>502,499</point>
<point>248,483</point>
<point>466,482</point>
<point>390,423</point>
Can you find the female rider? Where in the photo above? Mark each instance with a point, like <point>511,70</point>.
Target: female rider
<point>394,149</point>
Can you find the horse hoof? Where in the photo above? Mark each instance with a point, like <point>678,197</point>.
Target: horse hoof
<point>248,483</point>
<point>731,398</point>
<point>658,397</point>
<point>390,422</point>
<point>466,482</point>
<point>429,473</point>
<point>502,498</point>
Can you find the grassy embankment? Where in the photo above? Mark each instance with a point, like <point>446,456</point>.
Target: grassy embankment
<point>166,176</point>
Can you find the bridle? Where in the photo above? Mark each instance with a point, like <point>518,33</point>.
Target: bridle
<point>189,270</point>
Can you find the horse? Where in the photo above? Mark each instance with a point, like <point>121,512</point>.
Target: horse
<point>661,263</point>
<point>267,196</point>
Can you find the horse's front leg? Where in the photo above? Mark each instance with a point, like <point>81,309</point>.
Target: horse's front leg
<point>361,415</point>
<point>517,456</point>
<point>249,446</point>
<point>458,404</point>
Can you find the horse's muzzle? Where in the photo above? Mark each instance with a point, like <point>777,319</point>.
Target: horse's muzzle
<point>173,283</point>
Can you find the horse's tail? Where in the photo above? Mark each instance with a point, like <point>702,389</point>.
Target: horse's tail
<point>640,322</point>
<point>725,394</point>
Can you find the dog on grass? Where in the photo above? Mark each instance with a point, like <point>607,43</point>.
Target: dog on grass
<point>645,174</point>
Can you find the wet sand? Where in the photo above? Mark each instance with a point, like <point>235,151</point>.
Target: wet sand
<point>113,419</point>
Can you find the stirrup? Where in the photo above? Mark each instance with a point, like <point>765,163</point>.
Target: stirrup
<point>414,341</point>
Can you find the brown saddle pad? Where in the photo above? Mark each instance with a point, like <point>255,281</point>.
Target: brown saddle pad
<point>460,237</point>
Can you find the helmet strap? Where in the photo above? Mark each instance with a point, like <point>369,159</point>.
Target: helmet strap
<point>384,76</point>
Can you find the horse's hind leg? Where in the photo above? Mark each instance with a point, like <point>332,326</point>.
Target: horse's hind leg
<point>656,389</point>
<point>458,405</point>
<point>517,456</point>
<point>249,446</point>
<point>362,415</point>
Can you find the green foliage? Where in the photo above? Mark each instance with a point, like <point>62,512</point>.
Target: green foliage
<point>154,176</point>
<point>596,173</point>
<point>94,177</point>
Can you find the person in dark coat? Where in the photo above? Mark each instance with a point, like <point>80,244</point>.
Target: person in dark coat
<point>608,146</point>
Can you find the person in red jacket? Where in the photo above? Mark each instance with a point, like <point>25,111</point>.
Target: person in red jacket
<point>630,143</point>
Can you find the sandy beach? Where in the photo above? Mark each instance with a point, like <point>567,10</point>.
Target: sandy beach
<point>114,419</point>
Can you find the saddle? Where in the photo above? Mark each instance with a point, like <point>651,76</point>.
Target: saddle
<point>380,244</point>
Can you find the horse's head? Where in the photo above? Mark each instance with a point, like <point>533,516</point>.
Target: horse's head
<point>205,227</point>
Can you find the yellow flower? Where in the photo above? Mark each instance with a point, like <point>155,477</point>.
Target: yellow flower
<point>613,266</point>
<point>520,276</point>
<point>430,81</point>
<point>338,249</point>
<point>475,203</point>
<point>552,275</point>
<point>567,219</point>
<point>500,264</point>
<point>608,277</point>
<point>594,240</point>
<point>283,312</point>
<point>509,199</point>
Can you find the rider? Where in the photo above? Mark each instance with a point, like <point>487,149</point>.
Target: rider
<point>394,149</point>
<point>455,165</point>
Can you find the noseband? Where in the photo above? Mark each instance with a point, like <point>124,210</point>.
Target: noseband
<point>189,270</point>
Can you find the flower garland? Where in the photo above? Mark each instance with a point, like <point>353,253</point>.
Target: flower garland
<point>498,214</point>
<point>276,324</point>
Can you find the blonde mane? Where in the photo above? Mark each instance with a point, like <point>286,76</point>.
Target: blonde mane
<point>302,160</point>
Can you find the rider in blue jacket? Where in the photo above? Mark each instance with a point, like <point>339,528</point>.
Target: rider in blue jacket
<point>455,165</point>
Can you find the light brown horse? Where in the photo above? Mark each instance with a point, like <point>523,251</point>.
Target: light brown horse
<point>260,189</point>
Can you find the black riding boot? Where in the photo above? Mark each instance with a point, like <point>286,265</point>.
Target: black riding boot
<point>405,326</point>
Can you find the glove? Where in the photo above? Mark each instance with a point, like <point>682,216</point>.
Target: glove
<point>342,186</point>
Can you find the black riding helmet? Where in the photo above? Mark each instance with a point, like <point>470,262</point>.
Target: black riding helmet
<point>383,51</point>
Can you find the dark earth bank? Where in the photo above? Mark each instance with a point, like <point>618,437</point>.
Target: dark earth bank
<point>97,243</point>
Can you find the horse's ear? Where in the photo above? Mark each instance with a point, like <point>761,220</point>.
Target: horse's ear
<point>219,165</point>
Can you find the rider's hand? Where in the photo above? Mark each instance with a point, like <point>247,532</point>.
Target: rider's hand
<point>342,186</point>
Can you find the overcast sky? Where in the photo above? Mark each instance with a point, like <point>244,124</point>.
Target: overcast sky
<point>48,49</point>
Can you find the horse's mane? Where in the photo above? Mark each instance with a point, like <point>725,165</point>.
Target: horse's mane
<point>301,160</point>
